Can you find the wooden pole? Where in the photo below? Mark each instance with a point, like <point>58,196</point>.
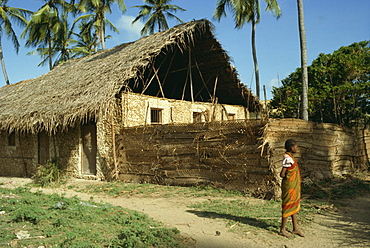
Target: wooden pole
<point>191,78</point>
<point>114,148</point>
<point>204,83</point>
<point>159,81</point>
<point>183,90</point>
<point>146,114</point>
<point>151,79</point>
<point>214,99</point>
<point>146,87</point>
<point>265,105</point>
<point>214,90</point>
<point>182,69</point>
<point>168,69</point>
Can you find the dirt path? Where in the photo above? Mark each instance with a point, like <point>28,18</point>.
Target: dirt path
<point>348,226</point>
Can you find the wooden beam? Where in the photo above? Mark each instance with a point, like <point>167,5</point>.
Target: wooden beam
<point>159,81</point>
<point>191,77</point>
<point>151,79</point>
<point>168,69</point>
<point>114,147</point>
<point>214,100</point>
<point>183,90</point>
<point>204,83</point>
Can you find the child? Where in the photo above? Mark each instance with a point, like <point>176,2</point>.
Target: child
<point>291,189</point>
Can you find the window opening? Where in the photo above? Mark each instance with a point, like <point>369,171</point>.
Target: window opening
<point>11,139</point>
<point>231,117</point>
<point>156,116</point>
<point>197,117</point>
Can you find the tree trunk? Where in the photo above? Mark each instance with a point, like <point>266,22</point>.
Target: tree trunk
<point>302,36</point>
<point>102,39</point>
<point>159,26</point>
<point>254,53</point>
<point>50,50</point>
<point>102,34</point>
<point>3,65</point>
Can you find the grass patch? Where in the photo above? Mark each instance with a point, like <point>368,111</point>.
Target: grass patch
<point>245,215</point>
<point>56,221</point>
<point>116,189</point>
<point>241,213</point>
<point>250,214</point>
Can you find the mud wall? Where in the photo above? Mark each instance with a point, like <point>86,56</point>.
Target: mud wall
<point>136,110</point>
<point>22,158</point>
<point>18,159</point>
<point>65,146</point>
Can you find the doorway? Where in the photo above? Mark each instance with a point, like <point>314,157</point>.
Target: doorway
<point>43,148</point>
<point>89,148</point>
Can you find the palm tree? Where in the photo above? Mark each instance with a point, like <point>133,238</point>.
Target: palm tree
<point>97,18</point>
<point>155,12</point>
<point>6,15</point>
<point>44,26</point>
<point>86,39</point>
<point>63,47</point>
<point>247,11</point>
<point>302,38</point>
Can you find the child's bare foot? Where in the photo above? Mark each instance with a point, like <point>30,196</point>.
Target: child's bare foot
<point>285,234</point>
<point>298,232</point>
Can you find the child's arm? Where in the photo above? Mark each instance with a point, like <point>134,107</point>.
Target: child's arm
<point>287,162</point>
<point>282,173</point>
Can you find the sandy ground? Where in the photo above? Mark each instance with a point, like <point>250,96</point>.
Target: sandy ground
<point>346,226</point>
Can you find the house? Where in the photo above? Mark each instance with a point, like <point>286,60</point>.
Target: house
<point>72,113</point>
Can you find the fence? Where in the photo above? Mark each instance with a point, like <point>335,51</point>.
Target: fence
<point>239,155</point>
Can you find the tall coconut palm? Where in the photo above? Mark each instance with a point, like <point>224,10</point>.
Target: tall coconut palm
<point>98,10</point>
<point>155,12</point>
<point>44,25</point>
<point>86,39</point>
<point>302,38</point>
<point>7,15</point>
<point>247,11</point>
<point>63,42</point>
<point>63,45</point>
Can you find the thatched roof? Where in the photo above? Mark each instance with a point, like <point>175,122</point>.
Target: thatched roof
<point>155,65</point>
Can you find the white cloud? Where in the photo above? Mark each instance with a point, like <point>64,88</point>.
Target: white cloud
<point>129,31</point>
<point>273,82</point>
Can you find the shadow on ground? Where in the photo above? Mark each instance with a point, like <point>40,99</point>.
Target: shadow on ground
<point>244,220</point>
<point>352,221</point>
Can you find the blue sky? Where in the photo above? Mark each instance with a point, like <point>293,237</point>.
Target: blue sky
<point>330,24</point>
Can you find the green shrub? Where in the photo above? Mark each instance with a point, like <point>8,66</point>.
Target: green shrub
<point>139,236</point>
<point>50,174</point>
